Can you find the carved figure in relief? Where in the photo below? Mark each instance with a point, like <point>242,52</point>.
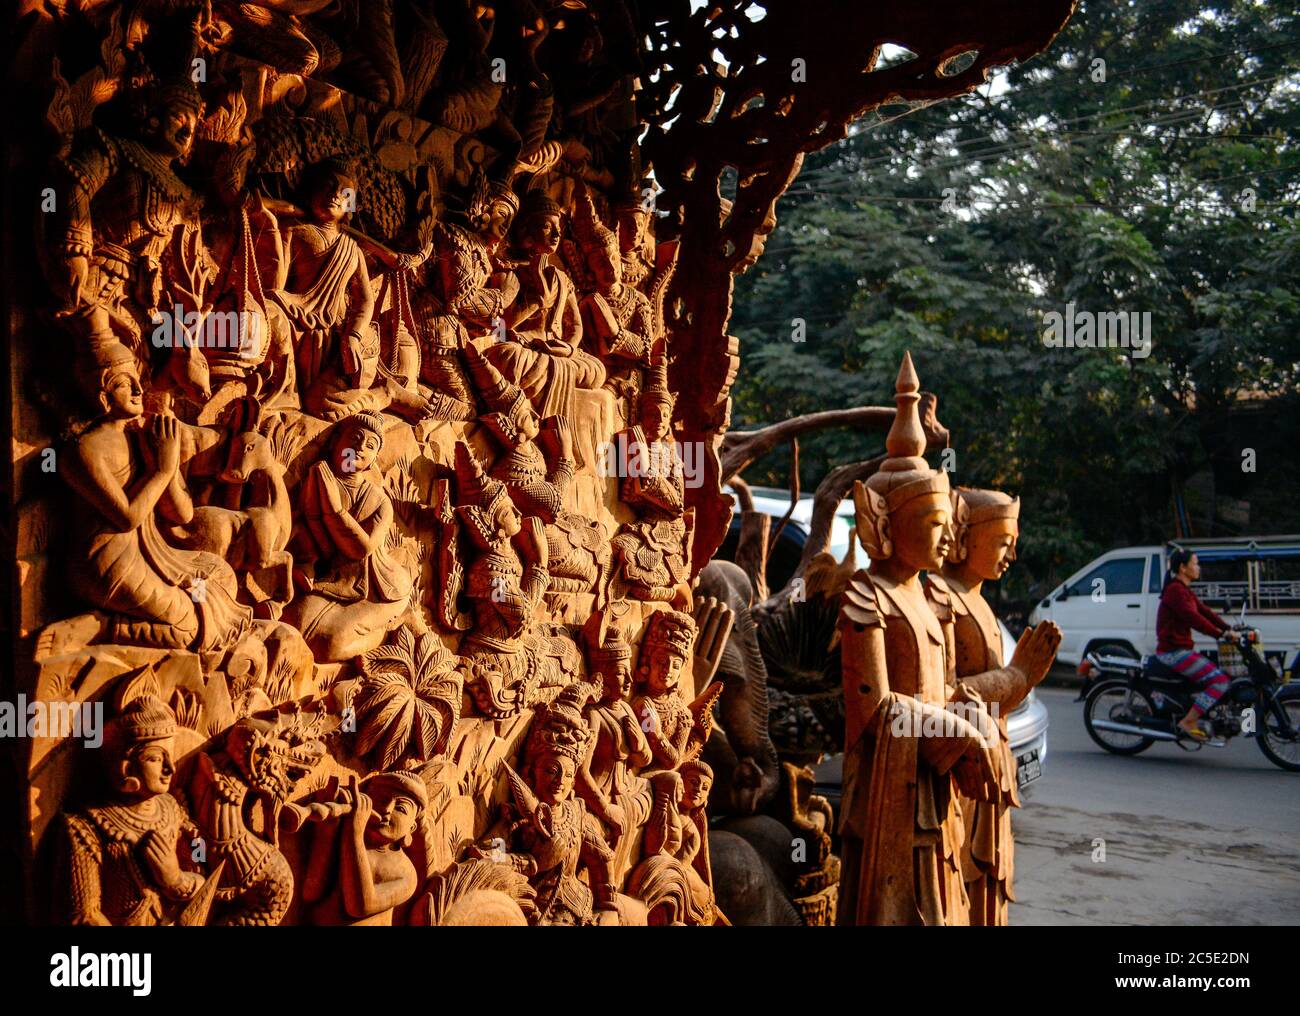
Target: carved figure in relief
<point>510,657</point>
<point>353,589</point>
<point>539,481</point>
<point>252,529</point>
<point>675,732</point>
<point>124,856</point>
<point>124,204</point>
<point>606,779</point>
<point>375,873</point>
<point>542,353</point>
<point>673,880</point>
<point>616,315</point>
<point>464,295</point>
<point>552,832</point>
<point>240,795</point>
<point>984,545</point>
<point>324,289</point>
<point>126,468</point>
<point>907,753</point>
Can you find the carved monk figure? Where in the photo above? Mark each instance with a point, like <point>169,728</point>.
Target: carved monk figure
<point>552,832</point>
<point>325,290</point>
<point>124,856</point>
<point>984,545</point>
<point>356,591</point>
<point>906,754</point>
<point>542,354</point>
<point>606,780</point>
<point>127,470</point>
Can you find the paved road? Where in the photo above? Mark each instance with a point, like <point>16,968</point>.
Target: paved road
<point>1208,838</point>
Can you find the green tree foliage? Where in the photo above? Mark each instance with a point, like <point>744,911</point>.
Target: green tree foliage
<point>1147,162</point>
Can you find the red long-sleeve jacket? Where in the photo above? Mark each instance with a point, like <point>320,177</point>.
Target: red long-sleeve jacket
<point>1181,611</point>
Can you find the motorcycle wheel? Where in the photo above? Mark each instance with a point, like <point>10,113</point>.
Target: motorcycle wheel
<point>1277,748</point>
<point>1109,701</point>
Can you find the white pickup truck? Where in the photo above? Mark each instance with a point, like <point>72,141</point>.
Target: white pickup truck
<point>1112,601</point>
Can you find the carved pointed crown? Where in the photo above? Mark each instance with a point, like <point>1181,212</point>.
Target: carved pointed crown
<point>656,388</point>
<point>481,500</point>
<point>143,720</point>
<point>509,404</point>
<point>671,629</point>
<point>560,728</point>
<point>605,641</point>
<point>905,474</point>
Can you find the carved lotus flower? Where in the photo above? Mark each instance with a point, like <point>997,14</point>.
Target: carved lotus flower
<point>409,700</point>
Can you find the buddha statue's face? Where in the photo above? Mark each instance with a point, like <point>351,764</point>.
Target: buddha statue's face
<point>357,450</point>
<point>541,234</point>
<point>174,129</point>
<point>500,215</point>
<point>616,678</point>
<point>151,767</point>
<point>696,784</point>
<point>657,418</point>
<point>991,547</point>
<point>123,397</point>
<point>607,267</point>
<point>333,199</point>
<point>394,816</point>
<point>921,531</point>
<point>662,670</point>
<point>553,777</point>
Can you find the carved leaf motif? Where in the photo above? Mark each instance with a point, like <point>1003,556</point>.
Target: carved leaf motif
<point>409,700</point>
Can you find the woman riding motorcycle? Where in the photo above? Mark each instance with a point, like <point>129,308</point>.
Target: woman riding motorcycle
<point>1181,611</point>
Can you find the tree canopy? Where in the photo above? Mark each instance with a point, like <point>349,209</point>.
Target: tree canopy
<point>1145,164</point>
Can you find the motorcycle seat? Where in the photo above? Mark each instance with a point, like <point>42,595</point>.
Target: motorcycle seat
<point>1153,669</point>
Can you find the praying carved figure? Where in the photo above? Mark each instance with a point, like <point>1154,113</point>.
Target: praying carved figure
<point>324,288</point>
<point>552,832</point>
<point>509,657</point>
<point>906,754</point>
<point>352,589</point>
<point>539,481</point>
<point>652,554</point>
<point>673,880</point>
<point>984,545</point>
<point>124,856</point>
<point>124,204</point>
<point>675,732</point>
<point>126,468</point>
<point>542,353</point>
<point>616,315</point>
<point>606,778</point>
<point>464,295</point>
<point>375,874</point>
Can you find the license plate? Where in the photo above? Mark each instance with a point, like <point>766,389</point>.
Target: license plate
<point>1028,768</point>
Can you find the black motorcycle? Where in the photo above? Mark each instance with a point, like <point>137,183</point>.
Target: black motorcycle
<point>1130,704</point>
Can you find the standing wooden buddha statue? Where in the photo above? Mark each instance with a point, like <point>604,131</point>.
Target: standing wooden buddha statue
<point>907,753</point>
<point>985,530</point>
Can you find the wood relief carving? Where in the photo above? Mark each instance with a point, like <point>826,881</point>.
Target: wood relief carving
<point>354,377</point>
